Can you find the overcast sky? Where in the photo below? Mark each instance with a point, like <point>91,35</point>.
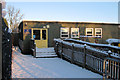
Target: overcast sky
<point>69,11</point>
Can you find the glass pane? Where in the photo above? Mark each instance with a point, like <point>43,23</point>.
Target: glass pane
<point>43,34</point>
<point>64,36</point>
<point>89,35</point>
<point>75,33</point>
<point>36,34</point>
<point>73,36</point>
<point>75,29</point>
<point>98,35</point>
<point>64,29</point>
<point>64,32</point>
<point>89,32</point>
<point>98,32</point>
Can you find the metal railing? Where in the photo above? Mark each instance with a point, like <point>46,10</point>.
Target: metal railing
<point>98,46</point>
<point>111,68</point>
<point>85,56</point>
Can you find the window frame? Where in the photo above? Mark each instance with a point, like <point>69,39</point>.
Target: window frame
<point>98,34</point>
<point>64,34</point>
<point>89,34</point>
<point>75,35</point>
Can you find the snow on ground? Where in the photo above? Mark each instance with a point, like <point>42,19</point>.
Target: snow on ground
<point>26,66</point>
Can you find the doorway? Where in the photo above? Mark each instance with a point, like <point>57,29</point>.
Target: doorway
<point>40,35</point>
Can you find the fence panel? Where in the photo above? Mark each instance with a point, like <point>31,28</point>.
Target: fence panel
<point>79,57</point>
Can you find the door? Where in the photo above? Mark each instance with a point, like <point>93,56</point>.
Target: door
<point>41,37</point>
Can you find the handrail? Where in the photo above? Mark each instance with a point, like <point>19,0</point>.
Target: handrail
<point>93,44</point>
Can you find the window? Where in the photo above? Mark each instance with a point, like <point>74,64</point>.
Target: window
<point>98,32</point>
<point>74,32</point>
<point>64,32</point>
<point>27,31</point>
<point>36,34</point>
<point>89,31</point>
<point>43,34</point>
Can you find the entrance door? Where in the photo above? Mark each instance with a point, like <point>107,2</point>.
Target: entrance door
<point>41,37</point>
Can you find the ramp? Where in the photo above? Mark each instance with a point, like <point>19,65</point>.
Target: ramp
<point>45,52</point>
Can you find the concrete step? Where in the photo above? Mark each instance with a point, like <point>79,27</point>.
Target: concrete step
<point>45,53</point>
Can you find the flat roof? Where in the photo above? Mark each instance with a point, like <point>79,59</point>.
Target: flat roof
<point>71,22</point>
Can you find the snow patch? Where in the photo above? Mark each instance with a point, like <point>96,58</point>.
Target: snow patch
<point>110,41</point>
<point>25,66</point>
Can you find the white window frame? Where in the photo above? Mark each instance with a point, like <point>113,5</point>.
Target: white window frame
<point>75,34</point>
<point>87,31</point>
<point>96,32</point>
<point>64,34</point>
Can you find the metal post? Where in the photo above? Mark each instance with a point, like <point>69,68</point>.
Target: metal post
<point>61,49</point>
<point>84,55</point>
<point>109,53</point>
<point>56,45</point>
<point>104,70</point>
<point>118,73</point>
<point>56,48</point>
<point>72,57</point>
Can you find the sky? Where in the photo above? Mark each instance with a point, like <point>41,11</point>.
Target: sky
<point>106,12</point>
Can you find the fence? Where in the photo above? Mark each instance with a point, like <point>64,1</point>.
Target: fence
<point>85,56</point>
<point>6,52</point>
<point>104,47</point>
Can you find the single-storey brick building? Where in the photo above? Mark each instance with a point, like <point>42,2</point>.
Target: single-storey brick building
<point>43,32</point>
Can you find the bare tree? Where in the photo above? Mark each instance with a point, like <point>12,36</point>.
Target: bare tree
<point>13,17</point>
<point>3,7</point>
